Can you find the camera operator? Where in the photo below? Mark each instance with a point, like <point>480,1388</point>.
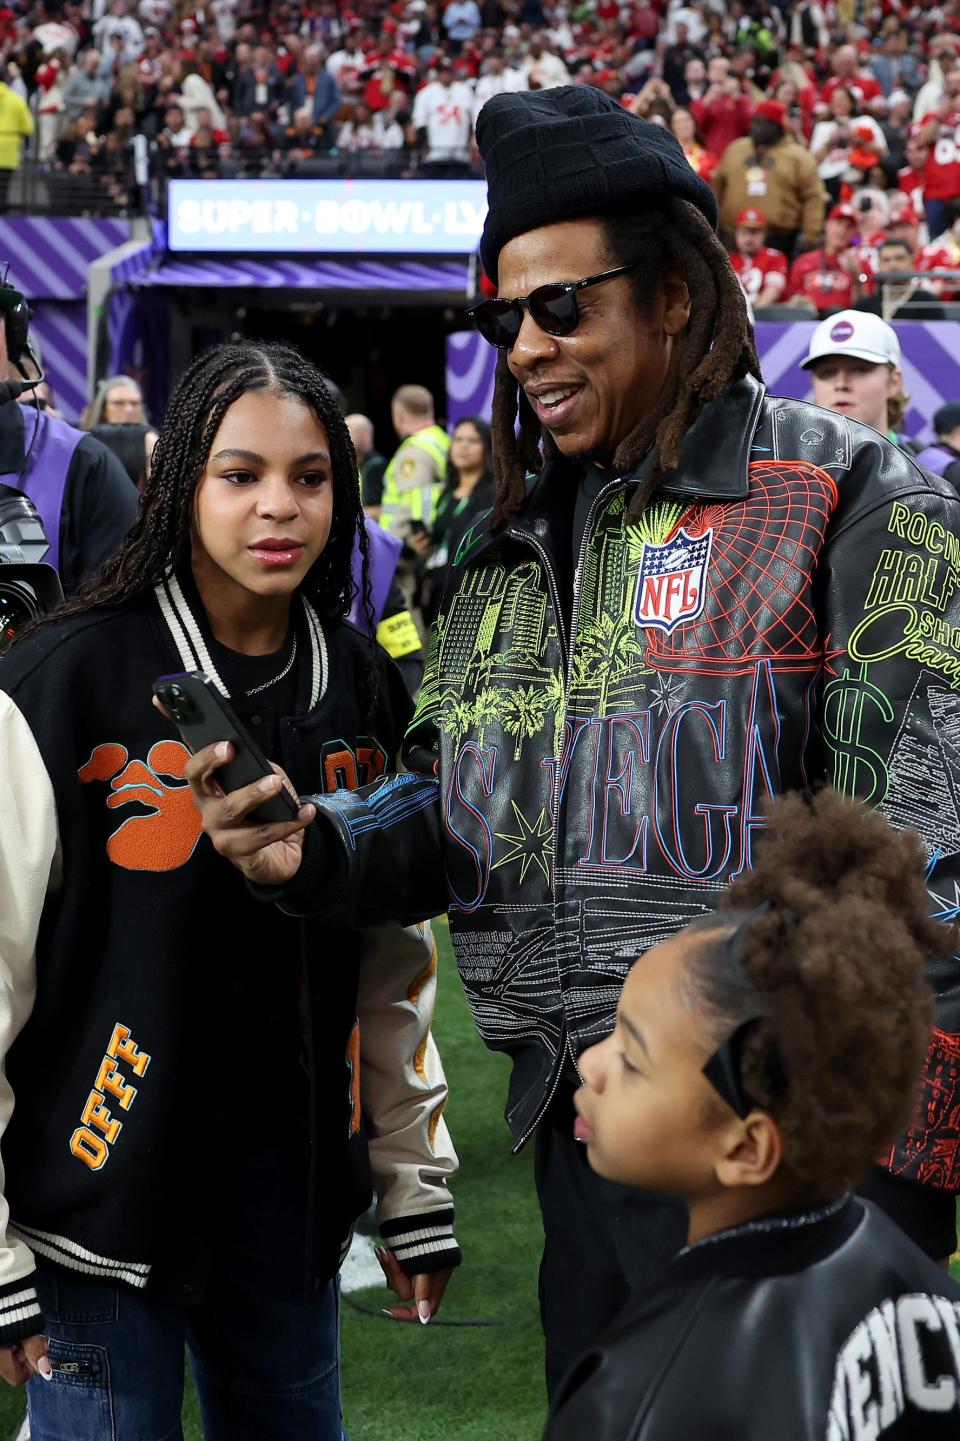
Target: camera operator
<point>83,495</point>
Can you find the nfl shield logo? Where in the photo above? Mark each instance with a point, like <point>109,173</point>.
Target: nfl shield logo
<point>671,587</point>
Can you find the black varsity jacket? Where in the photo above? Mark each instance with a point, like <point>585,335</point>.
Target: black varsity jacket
<point>157,1018</point>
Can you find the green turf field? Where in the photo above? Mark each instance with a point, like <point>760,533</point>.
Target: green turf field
<point>424,1383</point>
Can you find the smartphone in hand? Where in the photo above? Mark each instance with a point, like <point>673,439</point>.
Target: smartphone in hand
<point>203,717</point>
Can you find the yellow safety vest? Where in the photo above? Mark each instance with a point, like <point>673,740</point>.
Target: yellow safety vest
<point>421,502</point>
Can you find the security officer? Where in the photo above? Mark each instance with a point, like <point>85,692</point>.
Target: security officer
<point>418,468</point>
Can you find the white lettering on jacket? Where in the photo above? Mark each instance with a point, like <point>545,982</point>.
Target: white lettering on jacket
<point>902,1358</point>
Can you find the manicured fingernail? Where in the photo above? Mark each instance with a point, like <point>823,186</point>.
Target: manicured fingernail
<point>45,1369</point>
<point>221,750</point>
<point>306,813</point>
<point>423,1311</point>
<point>269,783</point>
<point>385,1312</point>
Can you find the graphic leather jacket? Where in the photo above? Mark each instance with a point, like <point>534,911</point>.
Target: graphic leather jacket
<point>593,749</point>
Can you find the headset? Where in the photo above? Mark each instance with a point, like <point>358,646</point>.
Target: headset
<point>17,316</point>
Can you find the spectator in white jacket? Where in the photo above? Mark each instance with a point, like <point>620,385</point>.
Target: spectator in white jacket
<point>542,68</point>
<point>497,77</point>
<point>443,116</point>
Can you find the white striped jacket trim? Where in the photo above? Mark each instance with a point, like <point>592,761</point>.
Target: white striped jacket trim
<point>17,1307</point>
<point>194,655</point>
<point>68,1253</point>
<point>405,1250</point>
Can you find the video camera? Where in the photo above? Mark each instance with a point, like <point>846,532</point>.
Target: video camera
<point>27,586</point>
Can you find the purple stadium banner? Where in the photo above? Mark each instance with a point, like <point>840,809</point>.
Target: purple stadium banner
<point>931,368</point>
<point>49,260</point>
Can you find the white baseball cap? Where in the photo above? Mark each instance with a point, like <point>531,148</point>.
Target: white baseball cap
<point>856,333</point>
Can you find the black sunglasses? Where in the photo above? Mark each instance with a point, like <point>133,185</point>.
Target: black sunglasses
<point>553,307</point>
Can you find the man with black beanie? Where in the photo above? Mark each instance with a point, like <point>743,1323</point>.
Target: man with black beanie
<point>689,596</point>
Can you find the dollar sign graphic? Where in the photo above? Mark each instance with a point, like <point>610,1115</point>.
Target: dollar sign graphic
<point>858,770</point>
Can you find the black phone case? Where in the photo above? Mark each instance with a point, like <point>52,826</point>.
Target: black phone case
<point>215,721</point>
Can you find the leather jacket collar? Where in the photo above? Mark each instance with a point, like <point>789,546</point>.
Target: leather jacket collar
<point>714,460</point>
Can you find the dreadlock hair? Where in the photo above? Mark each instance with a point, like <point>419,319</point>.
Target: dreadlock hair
<point>716,348</point>
<point>833,927</point>
<point>161,535</point>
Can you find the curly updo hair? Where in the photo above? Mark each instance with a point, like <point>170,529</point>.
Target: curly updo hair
<point>833,928</point>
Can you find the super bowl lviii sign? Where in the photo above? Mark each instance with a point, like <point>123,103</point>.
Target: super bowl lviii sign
<point>385,217</point>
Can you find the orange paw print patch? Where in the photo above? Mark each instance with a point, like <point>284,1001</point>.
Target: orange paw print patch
<point>165,838</point>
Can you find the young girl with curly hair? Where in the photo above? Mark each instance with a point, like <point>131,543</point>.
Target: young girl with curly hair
<point>194,1131</point>
<point>762,1059</point>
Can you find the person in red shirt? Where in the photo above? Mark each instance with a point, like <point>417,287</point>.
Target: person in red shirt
<point>847,73</point>
<point>943,253</point>
<point>910,176</point>
<point>685,128</point>
<point>723,113</point>
<point>940,129</point>
<point>762,272</point>
<point>836,276</point>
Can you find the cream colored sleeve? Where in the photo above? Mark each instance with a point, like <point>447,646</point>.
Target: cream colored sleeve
<point>402,1084</point>
<point>29,869</point>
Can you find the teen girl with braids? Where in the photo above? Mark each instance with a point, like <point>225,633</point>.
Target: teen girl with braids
<point>687,597</point>
<point>184,1152</point>
<point>762,1058</point>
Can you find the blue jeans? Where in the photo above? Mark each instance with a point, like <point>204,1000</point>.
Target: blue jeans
<point>936,215</point>
<point>265,1363</point>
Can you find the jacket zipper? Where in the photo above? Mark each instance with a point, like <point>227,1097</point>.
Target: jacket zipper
<point>566,645</point>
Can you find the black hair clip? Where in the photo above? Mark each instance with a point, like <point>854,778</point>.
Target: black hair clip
<point>723,1069</point>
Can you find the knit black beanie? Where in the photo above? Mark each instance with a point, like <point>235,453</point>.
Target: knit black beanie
<point>570,151</point>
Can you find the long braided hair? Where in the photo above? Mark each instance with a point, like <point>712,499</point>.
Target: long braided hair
<point>716,348</point>
<point>161,535</point>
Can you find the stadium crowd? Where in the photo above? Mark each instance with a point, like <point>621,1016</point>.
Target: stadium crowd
<point>828,130</point>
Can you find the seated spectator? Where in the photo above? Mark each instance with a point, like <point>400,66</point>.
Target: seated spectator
<point>496,76</point>
<point>84,85</point>
<point>768,170</point>
<point>366,132</point>
<point>117,401</point>
<point>542,68</point>
<point>677,57</point>
<point>304,139</point>
<point>461,21</point>
<point>848,75</point>
<point>943,253</point>
<point>350,63</point>
<point>899,299</point>
<point>843,139</point>
<point>762,272</point>
<point>653,101</point>
<point>944,453</point>
<point>315,88</point>
<point>197,99</point>
<point>910,177</point>
<point>694,86</point>
<point>685,128</point>
<point>796,125</point>
<point>940,131</point>
<point>77,144</point>
<point>723,113</point>
<point>132,444</point>
<point>176,133</point>
<point>835,276</point>
<point>442,117</point>
<point>895,125</point>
